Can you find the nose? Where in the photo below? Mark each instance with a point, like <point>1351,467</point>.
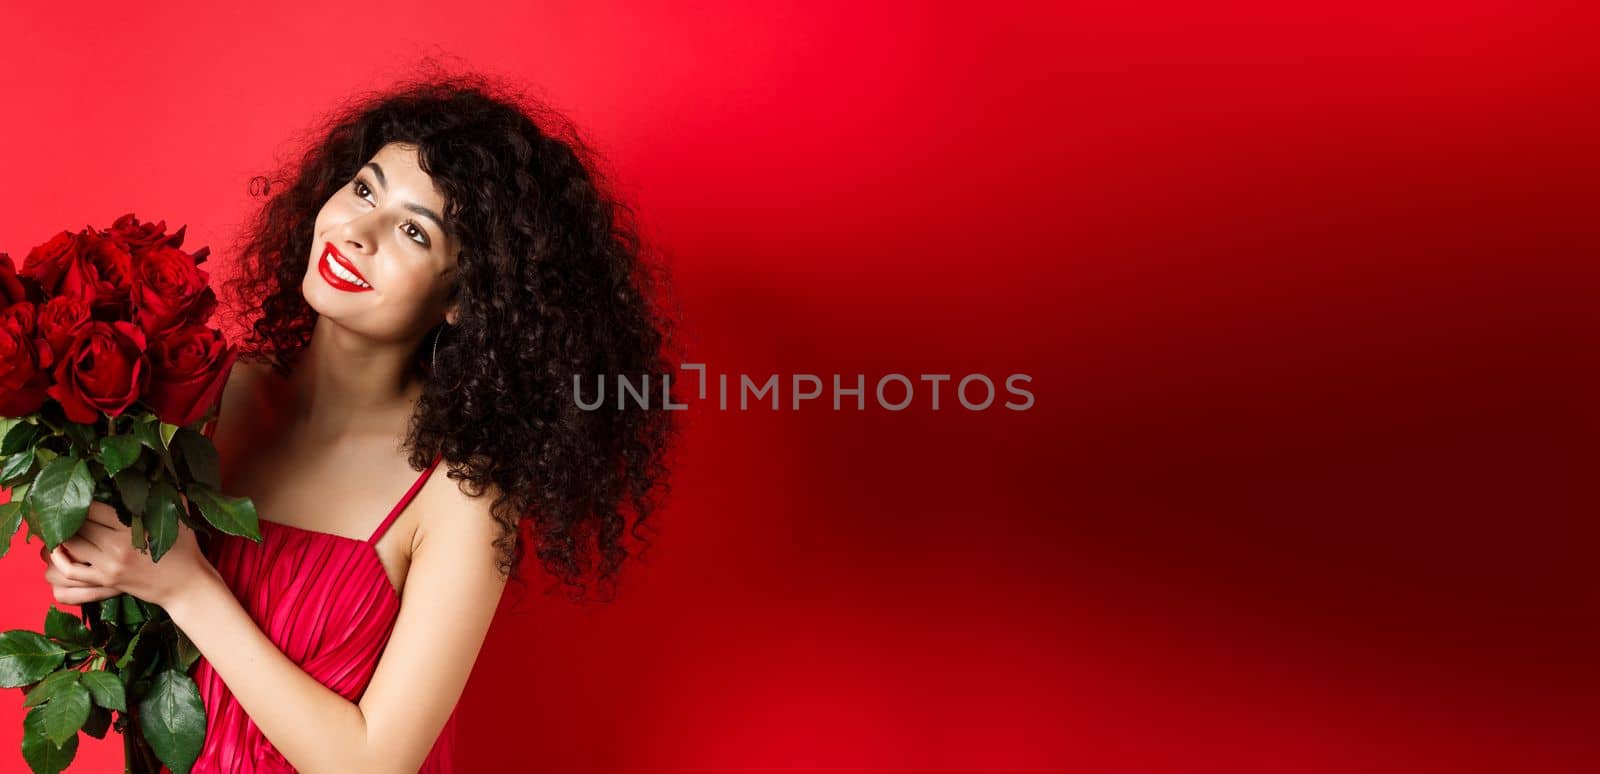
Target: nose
<point>355,235</point>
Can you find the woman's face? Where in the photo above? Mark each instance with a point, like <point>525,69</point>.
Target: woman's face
<point>384,224</point>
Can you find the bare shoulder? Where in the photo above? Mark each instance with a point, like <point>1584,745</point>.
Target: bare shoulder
<point>455,519</point>
<point>244,381</point>
<point>237,392</point>
<point>245,416</point>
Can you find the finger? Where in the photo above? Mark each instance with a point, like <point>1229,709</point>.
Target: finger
<point>63,564</point>
<point>83,596</point>
<point>101,535</point>
<point>103,514</point>
<point>54,577</point>
<point>81,550</point>
<point>83,538</point>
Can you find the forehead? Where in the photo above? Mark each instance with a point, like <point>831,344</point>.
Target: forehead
<point>402,173</point>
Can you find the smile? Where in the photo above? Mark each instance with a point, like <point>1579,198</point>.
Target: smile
<point>340,272</point>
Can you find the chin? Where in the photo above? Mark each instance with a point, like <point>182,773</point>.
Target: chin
<point>315,292</point>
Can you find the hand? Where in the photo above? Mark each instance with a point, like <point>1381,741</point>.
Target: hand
<point>70,592</point>
<point>100,561</point>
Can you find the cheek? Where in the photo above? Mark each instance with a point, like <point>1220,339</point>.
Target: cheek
<point>320,228</point>
<point>333,213</point>
<point>409,286</point>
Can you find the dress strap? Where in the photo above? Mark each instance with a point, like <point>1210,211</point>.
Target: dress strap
<point>405,499</point>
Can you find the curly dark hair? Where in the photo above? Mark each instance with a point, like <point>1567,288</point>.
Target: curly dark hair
<point>553,281</point>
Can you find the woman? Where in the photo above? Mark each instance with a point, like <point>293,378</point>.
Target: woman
<point>421,296</point>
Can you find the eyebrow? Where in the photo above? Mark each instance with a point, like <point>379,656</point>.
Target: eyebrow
<point>414,207</point>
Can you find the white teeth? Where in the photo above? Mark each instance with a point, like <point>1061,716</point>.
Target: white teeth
<point>342,271</point>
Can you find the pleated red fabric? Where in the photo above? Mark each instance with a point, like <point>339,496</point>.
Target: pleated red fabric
<point>327,603</point>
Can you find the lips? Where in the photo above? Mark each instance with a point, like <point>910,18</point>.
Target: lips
<point>331,253</point>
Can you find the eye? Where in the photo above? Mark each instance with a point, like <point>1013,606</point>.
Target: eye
<point>419,232</point>
<point>359,188</point>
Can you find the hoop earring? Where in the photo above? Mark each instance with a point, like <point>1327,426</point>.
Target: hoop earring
<point>436,335</point>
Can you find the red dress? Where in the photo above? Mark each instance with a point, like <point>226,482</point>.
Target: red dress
<point>327,603</point>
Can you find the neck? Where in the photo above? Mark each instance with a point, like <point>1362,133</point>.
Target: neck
<point>347,385</point>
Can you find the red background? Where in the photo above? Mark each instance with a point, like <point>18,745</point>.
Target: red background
<point>1306,291</point>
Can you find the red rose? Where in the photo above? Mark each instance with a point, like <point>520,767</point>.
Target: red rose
<point>103,371</point>
<point>135,236</point>
<point>57,265</point>
<point>191,366</point>
<point>87,266</point>
<point>61,319</point>
<point>23,380</point>
<point>26,314</point>
<point>172,292</point>
<point>112,279</point>
<point>12,287</point>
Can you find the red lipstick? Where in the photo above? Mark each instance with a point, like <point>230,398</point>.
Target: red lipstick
<point>325,267</point>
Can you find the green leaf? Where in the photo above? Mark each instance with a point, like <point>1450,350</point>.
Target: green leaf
<point>10,520</point>
<point>98,723</point>
<point>90,612</point>
<point>135,488</point>
<point>111,610</point>
<point>17,466</point>
<point>173,719</point>
<point>199,456</point>
<point>7,424</point>
<point>106,690</point>
<point>50,686</point>
<point>187,652</point>
<point>66,627</point>
<point>65,713</point>
<point>30,519</point>
<point>81,435</point>
<point>42,755</point>
<point>149,667</point>
<point>19,494</point>
<point>60,499</point>
<point>127,653</point>
<point>103,490</point>
<point>26,657</point>
<point>132,612</point>
<point>161,519</point>
<point>141,541</point>
<point>233,515</point>
<point>149,433</point>
<point>20,436</point>
<point>167,431</point>
<point>117,452</point>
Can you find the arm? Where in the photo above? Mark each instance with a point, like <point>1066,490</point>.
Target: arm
<point>452,589</point>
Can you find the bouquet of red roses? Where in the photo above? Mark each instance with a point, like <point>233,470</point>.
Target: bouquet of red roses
<point>108,370</point>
